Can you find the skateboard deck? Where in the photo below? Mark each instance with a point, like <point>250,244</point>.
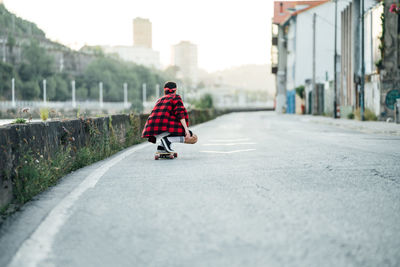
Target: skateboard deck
<point>165,155</point>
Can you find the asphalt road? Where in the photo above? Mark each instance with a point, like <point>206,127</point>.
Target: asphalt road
<point>256,190</point>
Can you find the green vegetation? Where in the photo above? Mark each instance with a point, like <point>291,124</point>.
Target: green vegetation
<point>300,91</point>
<point>204,102</point>
<point>369,115</point>
<point>37,63</point>
<point>37,172</point>
<point>44,114</point>
<point>379,63</point>
<point>350,116</point>
<point>9,23</point>
<point>19,120</point>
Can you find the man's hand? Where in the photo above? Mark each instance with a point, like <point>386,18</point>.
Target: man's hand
<point>191,139</point>
<point>187,133</point>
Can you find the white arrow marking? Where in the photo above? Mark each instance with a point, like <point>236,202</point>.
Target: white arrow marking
<point>229,144</point>
<point>227,152</point>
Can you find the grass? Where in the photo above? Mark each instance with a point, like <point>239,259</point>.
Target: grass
<point>19,120</point>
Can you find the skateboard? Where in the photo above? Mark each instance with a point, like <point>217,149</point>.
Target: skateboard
<point>165,155</point>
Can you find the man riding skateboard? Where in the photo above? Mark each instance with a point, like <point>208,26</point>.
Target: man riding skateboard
<point>168,121</point>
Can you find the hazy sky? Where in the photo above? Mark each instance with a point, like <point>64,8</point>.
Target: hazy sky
<point>227,32</point>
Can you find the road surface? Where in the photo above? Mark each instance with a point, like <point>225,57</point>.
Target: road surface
<point>258,189</point>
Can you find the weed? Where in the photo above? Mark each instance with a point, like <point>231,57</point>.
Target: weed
<point>350,116</point>
<point>19,120</point>
<point>369,115</point>
<point>44,114</point>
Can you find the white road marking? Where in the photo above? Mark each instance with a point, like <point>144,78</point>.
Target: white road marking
<point>38,246</point>
<point>227,152</point>
<point>229,140</point>
<point>228,144</point>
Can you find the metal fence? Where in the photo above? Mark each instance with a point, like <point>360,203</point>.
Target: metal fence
<point>90,105</point>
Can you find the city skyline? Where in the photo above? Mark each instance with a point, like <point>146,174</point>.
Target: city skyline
<point>226,35</point>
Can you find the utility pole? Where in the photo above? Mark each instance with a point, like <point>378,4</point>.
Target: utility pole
<point>335,115</point>
<point>157,91</point>
<point>314,89</point>
<point>144,96</point>
<point>125,95</point>
<point>13,92</point>
<point>362,107</point>
<point>101,94</point>
<point>73,94</point>
<point>4,49</point>
<point>44,92</point>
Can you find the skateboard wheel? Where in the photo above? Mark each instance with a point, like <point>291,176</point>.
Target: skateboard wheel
<point>156,157</point>
<point>171,156</point>
<point>175,155</point>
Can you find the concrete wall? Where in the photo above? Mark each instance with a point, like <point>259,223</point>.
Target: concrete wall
<point>372,94</point>
<point>328,97</point>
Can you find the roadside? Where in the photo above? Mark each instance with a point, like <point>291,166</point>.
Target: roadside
<point>370,127</point>
<point>4,122</point>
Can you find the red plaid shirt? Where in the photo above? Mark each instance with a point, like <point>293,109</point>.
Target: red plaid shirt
<point>166,116</point>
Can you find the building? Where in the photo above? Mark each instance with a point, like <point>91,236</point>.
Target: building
<point>295,25</point>
<point>381,81</point>
<point>350,76</point>
<point>184,56</point>
<point>367,75</point>
<point>140,53</point>
<point>295,22</point>
<point>389,70</point>
<point>142,32</point>
<point>137,54</point>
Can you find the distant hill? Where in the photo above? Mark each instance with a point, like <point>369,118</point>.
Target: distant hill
<point>11,24</point>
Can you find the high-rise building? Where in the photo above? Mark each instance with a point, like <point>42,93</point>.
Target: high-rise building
<point>184,56</point>
<point>142,33</point>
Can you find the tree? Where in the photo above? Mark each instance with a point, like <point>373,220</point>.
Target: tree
<point>6,74</point>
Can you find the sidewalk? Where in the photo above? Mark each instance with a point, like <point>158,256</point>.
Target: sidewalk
<point>372,127</point>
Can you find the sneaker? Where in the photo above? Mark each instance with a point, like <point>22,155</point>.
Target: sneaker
<point>161,149</point>
<point>166,144</point>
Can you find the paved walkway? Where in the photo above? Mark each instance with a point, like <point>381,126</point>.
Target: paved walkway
<point>373,127</point>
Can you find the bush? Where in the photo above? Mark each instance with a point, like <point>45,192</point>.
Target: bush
<point>205,102</point>
<point>19,120</point>
<point>369,115</point>
<point>300,91</point>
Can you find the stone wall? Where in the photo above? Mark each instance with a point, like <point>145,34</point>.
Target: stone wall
<point>390,74</point>
<point>40,142</point>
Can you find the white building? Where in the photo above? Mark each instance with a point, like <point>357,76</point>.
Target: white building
<point>142,32</point>
<point>300,43</point>
<point>137,54</point>
<point>184,56</point>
